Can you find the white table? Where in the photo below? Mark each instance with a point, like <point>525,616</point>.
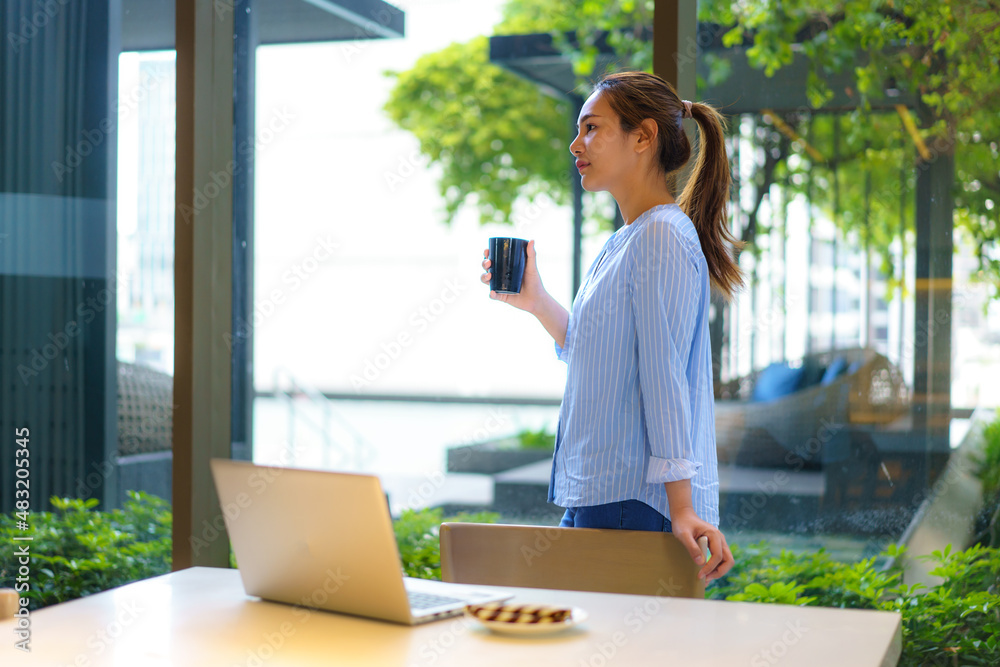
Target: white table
<point>201,616</point>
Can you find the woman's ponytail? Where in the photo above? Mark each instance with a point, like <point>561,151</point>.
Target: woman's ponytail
<point>704,201</point>
<point>636,96</point>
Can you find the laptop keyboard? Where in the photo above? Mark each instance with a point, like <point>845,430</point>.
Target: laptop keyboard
<point>428,600</point>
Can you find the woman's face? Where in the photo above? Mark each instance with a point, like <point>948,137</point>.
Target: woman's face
<point>604,153</point>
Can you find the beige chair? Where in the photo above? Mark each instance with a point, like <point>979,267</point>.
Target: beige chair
<point>581,559</point>
<point>8,603</point>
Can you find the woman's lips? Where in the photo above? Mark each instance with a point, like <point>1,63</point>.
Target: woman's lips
<point>582,165</point>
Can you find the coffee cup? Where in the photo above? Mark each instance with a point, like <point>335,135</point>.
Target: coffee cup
<point>508,256</point>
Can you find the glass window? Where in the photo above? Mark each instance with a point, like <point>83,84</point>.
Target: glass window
<point>376,347</point>
<point>387,151</point>
<point>86,295</point>
<point>893,359</point>
<point>86,258</point>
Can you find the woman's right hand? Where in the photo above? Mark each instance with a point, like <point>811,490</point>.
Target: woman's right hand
<point>532,291</point>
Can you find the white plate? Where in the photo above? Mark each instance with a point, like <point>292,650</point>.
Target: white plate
<point>576,616</point>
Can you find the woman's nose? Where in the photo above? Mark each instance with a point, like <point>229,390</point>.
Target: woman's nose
<point>573,147</point>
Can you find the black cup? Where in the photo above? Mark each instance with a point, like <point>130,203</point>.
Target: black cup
<point>507,256</point>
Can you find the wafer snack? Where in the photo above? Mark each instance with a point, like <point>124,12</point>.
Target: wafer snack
<point>519,613</point>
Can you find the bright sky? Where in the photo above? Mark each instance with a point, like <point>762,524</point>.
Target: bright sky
<point>397,305</point>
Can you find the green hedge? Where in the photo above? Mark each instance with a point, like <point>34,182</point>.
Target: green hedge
<point>76,550</point>
<point>540,439</point>
<point>417,537</point>
<point>954,623</point>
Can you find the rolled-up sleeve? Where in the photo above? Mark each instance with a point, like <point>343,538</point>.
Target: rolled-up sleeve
<point>663,288</point>
<point>670,470</point>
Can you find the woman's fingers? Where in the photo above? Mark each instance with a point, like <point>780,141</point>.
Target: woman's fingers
<point>728,559</point>
<point>708,571</point>
<point>703,549</point>
<point>722,557</point>
<point>689,542</point>
<point>530,254</point>
<point>485,278</point>
<point>715,548</point>
<point>692,531</point>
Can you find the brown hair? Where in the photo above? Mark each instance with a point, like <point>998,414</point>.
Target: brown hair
<point>637,95</point>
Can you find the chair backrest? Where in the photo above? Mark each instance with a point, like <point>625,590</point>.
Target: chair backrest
<point>9,603</point>
<point>582,559</point>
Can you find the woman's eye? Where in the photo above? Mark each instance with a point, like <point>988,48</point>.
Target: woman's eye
<point>589,126</point>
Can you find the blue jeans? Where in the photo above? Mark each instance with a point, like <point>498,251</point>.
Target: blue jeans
<point>623,514</point>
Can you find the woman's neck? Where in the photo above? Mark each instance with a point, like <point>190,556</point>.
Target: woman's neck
<point>640,196</point>
<point>631,210</point>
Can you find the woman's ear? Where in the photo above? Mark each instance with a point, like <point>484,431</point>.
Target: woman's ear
<point>647,133</point>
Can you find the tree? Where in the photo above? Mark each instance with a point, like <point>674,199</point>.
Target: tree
<point>496,136</point>
<point>946,54</point>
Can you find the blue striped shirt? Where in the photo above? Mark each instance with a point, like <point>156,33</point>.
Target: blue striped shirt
<point>638,409</point>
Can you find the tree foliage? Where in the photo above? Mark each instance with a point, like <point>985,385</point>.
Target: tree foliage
<point>498,137</point>
<point>494,134</point>
<point>945,55</point>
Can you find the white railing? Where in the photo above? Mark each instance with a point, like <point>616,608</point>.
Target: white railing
<point>337,435</point>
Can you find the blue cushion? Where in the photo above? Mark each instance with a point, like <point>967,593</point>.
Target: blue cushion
<point>836,367</point>
<point>812,373</point>
<point>775,381</point>
<point>855,365</point>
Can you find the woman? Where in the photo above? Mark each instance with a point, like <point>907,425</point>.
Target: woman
<point>635,444</point>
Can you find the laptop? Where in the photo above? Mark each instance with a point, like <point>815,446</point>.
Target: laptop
<point>325,540</point>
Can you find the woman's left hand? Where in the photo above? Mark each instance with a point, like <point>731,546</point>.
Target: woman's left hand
<point>688,527</point>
